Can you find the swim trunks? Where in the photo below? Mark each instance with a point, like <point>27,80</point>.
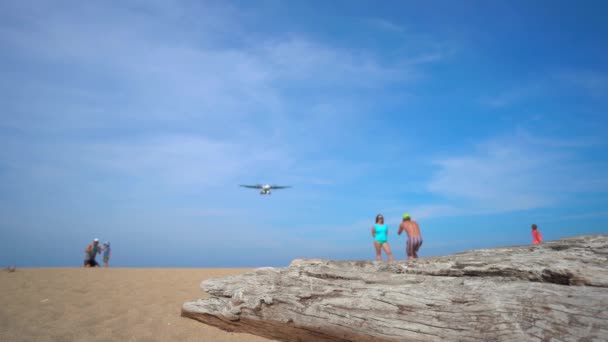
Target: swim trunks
<point>106,259</point>
<point>413,245</point>
<point>381,233</point>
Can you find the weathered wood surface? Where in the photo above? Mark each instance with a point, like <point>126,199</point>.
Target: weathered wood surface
<point>557,291</point>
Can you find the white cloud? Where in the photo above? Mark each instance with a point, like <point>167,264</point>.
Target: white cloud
<point>133,65</point>
<point>170,100</point>
<point>512,96</point>
<point>516,172</point>
<point>183,160</point>
<point>385,25</point>
<point>593,82</point>
<point>429,211</point>
<point>578,217</point>
<point>555,84</point>
<point>137,112</point>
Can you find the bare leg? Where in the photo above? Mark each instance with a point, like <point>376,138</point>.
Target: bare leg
<point>418,245</point>
<point>387,250</point>
<point>408,249</point>
<point>378,250</point>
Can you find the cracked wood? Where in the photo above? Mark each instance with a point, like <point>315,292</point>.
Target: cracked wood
<point>557,290</point>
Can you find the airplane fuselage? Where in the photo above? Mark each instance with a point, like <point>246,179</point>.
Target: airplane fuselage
<point>265,190</point>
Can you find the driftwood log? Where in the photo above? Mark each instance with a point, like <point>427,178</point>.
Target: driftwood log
<point>557,291</point>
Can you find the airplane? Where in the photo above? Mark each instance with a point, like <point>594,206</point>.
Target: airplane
<point>265,188</point>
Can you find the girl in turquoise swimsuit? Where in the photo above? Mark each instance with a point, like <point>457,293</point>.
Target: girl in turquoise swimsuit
<point>380,234</point>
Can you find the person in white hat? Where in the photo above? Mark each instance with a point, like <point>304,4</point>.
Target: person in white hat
<point>91,252</point>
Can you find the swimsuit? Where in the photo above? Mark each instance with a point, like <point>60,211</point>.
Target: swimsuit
<point>537,236</point>
<point>413,245</point>
<point>381,230</point>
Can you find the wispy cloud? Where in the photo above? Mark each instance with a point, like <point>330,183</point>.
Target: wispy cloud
<point>191,77</point>
<point>185,160</point>
<point>516,172</point>
<point>550,84</point>
<point>386,25</point>
<point>593,82</point>
<point>432,211</point>
<point>148,114</point>
<point>172,79</point>
<point>137,72</point>
<point>589,215</point>
<point>512,96</point>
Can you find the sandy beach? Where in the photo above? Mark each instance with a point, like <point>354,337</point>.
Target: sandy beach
<point>115,304</point>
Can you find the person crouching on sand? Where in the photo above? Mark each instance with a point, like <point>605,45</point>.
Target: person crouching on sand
<point>414,238</point>
<point>91,252</point>
<point>537,237</point>
<point>380,235</point>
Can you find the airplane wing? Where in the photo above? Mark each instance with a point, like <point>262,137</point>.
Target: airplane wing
<point>274,187</point>
<point>252,186</point>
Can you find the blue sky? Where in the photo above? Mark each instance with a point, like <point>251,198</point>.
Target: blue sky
<point>134,121</point>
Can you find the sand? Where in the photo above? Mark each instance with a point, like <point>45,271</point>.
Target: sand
<point>114,304</point>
